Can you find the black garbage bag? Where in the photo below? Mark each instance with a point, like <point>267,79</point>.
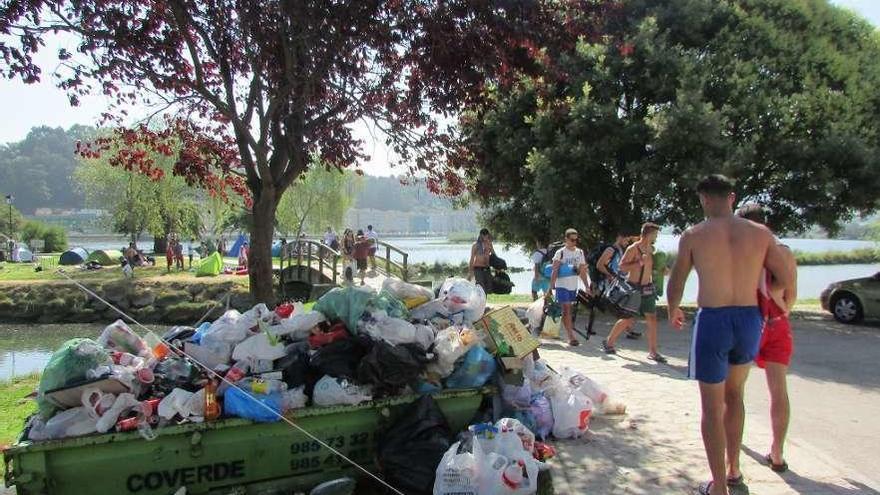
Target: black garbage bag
<point>411,448</point>
<point>497,262</point>
<point>389,368</point>
<point>501,283</point>
<point>295,367</point>
<point>340,359</point>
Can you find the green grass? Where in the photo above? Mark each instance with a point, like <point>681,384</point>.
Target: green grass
<point>508,298</point>
<point>855,256</point>
<point>14,408</point>
<point>24,272</point>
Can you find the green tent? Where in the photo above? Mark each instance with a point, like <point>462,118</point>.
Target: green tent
<point>105,257</point>
<point>210,266</point>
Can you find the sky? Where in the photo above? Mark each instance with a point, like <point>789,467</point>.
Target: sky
<point>25,106</point>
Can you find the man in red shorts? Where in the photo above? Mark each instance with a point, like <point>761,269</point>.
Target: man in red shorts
<point>776,345</point>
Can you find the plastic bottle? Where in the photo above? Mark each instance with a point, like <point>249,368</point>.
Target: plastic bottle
<point>268,386</point>
<point>212,407</point>
<point>156,345</point>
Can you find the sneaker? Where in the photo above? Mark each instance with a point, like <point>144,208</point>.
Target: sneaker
<point>608,349</point>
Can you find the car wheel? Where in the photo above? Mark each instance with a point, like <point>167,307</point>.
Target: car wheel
<point>847,308</point>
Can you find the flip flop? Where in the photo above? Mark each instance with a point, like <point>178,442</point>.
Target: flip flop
<point>574,343</point>
<point>658,358</point>
<point>777,468</point>
<point>705,488</point>
<point>737,485</point>
<point>608,349</point>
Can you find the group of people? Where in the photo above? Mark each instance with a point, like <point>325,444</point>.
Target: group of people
<point>747,287</point>
<point>174,250</point>
<point>358,251</point>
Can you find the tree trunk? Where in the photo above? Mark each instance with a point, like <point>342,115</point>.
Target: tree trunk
<point>262,285</point>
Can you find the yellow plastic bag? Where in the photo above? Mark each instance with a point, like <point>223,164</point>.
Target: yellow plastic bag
<point>550,330</point>
<point>412,302</point>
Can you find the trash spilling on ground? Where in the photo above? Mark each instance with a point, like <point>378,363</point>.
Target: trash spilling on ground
<point>355,346</point>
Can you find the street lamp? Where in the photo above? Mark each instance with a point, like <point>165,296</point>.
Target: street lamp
<point>9,200</point>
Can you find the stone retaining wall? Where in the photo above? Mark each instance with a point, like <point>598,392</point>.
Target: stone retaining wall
<point>153,302</point>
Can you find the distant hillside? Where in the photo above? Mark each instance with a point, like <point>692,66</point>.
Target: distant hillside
<point>37,169</point>
<point>388,194</point>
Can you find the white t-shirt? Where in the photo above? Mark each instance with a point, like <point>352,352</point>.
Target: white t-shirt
<point>573,257</point>
<point>538,256</point>
<point>329,237</point>
<point>371,234</point>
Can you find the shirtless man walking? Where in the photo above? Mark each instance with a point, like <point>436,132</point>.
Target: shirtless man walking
<point>729,254</point>
<point>638,263</point>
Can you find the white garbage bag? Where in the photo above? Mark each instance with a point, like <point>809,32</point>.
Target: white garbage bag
<point>459,470</point>
<point>571,413</point>
<point>298,326</point>
<point>397,331</point>
<point>258,347</point>
<point>402,290</point>
<point>70,423</point>
<point>595,391</point>
<point>535,314</point>
<point>331,391</point>
<point>449,345</point>
<point>430,310</point>
<point>463,299</point>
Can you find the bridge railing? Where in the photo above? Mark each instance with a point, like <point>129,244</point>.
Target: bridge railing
<point>312,254</point>
<point>401,264</point>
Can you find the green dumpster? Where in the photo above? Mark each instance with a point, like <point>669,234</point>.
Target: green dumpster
<point>228,456</point>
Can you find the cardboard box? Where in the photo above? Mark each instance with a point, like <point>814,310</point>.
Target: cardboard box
<point>507,336</point>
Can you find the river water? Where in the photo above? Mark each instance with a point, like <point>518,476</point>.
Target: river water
<point>26,348</point>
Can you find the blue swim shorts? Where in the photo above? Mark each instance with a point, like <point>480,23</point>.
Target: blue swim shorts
<point>565,295</point>
<point>722,337</point>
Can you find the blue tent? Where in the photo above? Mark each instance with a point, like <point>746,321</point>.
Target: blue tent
<point>233,251</point>
<point>74,256</point>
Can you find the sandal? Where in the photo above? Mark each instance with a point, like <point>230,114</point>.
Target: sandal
<point>705,488</point>
<point>737,485</point>
<point>608,349</point>
<point>658,358</point>
<point>574,343</point>
<point>777,468</point>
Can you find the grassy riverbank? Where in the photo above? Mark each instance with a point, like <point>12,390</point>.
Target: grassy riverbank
<point>14,407</point>
<point>854,257</point>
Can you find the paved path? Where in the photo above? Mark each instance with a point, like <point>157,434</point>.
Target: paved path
<point>657,448</point>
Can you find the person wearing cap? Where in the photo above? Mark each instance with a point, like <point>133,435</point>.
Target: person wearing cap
<point>777,343</point>
<point>569,263</point>
<point>478,267</point>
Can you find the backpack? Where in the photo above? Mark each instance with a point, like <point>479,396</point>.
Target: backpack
<point>549,253</point>
<point>593,260</point>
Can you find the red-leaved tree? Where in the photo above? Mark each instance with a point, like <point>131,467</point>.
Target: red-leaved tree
<point>253,90</point>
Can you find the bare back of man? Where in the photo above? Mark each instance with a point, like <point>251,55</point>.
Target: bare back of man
<point>728,255</point>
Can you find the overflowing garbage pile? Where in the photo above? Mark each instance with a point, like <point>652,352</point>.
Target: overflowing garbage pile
<point>354,346</point>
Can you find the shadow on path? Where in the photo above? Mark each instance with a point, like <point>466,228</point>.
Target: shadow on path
<point>801,485</point>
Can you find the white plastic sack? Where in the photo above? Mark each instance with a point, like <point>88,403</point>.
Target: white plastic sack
<point>397,331</point>
<point>402,290</point>
<point>211,354</point>
<point>298,326</point>
<point>429,310</point>
<point>578,381</point>
<point>513,428</point>
<point>449,345</point>
<point>228,329</point>
<point>535,313</point>
<point>257,348</point>
<point>571,414</point>
<point>123,403</point>
<point>332,392</point>
<point>295,398</point>
<point>463,299</point>
<point>179,401</point>
<point>70,423</point>
<point>459,472</point>
<point>494,479</point>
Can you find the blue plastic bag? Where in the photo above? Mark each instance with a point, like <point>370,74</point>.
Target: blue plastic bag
<point>200,332</point>
<point>474,369</point>
<point>237,402</point>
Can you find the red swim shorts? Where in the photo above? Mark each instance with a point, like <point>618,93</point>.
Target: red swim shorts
<point>777,344</point>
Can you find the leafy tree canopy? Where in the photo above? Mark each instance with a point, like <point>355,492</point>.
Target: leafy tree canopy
<point>780,95</point>
<point>320,199</point>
